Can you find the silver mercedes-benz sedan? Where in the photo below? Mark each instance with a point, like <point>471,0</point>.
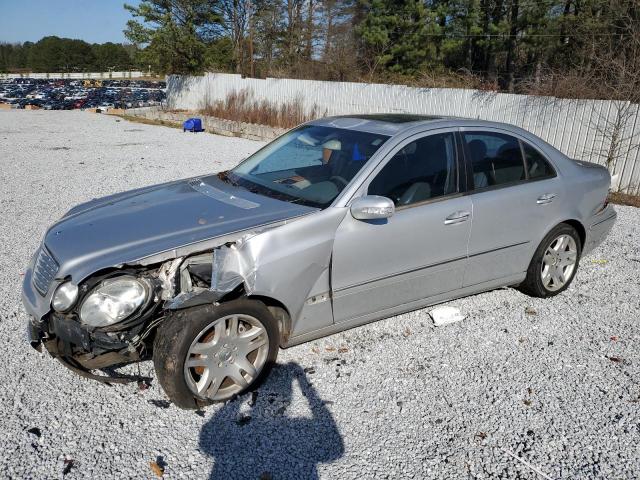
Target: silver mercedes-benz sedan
<point>339,222</point>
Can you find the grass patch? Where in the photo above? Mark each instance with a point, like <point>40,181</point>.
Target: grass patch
<point>625,199</point>
<point>242,106</point>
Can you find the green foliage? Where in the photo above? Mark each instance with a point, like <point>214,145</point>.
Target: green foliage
<point>219,55</point>
<point>395,35</point>
<point>539,46</point>
<point>54,54</point>
<point>111,57</point>
<point>174,34</point>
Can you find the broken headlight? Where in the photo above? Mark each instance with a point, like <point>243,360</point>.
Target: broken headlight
<point>113,300</point>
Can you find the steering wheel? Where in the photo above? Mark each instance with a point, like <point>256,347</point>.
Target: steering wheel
<point>342,181</point>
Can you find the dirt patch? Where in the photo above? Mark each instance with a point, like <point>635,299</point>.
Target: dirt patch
<point>148,121</point>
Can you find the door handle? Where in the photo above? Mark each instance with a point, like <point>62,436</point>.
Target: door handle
<point>457,217</point>
<point>546,198</point>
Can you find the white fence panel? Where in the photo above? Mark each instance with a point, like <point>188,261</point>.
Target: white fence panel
<point>76,76</point>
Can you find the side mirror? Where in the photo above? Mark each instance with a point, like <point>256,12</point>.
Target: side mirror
<point>372,207</point>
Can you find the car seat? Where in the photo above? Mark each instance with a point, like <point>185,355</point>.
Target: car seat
<point>417,192</point>
<point>508,165</point>
<point>481,165</point>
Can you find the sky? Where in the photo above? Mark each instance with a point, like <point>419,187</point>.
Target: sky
<point>95,21</point>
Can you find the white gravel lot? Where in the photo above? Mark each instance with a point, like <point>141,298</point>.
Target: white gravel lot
<point>558,386</point>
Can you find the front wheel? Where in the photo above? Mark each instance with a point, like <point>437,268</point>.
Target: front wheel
<point>555,262</point>
<point>212,353</point>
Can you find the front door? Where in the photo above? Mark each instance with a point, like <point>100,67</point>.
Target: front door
<point>420,251</point>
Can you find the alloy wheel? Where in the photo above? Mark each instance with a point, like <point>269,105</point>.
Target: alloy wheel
<point>226,357</point>
<point>559,262</point>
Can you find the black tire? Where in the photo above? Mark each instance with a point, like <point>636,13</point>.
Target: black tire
<point>177,332</point>
<point>533,284</point>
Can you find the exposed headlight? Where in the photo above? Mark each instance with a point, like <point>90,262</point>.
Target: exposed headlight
<point>64,297</point>
<point>112,301</point>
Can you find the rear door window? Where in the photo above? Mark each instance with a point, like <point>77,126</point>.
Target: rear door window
<point>496,159</point>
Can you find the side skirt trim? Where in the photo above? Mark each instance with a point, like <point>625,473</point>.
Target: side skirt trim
<point>407,307</point>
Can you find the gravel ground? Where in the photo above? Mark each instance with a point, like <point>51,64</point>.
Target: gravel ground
<point>554,382</point>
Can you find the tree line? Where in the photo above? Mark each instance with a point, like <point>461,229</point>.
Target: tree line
<point>566,47</point>
<point>569,48</point>
<point>54,54</point>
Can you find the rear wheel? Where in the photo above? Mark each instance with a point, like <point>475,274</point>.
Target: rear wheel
<point>212,353</point>
<point>554,264</point>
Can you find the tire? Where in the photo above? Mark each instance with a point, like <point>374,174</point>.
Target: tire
<point>537,284</point>
<point>215,346</point>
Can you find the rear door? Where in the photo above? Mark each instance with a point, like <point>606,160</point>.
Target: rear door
<point>417,253</point>
<point>514,191</point>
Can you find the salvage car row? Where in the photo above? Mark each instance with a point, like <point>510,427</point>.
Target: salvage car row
<point>62,94</point>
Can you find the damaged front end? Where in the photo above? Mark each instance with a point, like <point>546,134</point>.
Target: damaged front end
<point>97,331</point>
<point>114,318</point>
<point>209,277</point>
<point>106,325</point>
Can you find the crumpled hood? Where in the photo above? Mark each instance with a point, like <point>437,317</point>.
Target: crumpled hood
<point>130,226</point>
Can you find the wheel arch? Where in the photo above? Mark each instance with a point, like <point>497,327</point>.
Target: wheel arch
<point>277,308</point>
<point>576,224</point>
<point>279,311</point>
<point>582,232</point>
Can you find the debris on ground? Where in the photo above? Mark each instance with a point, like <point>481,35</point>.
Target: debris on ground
<point>446,315</point>
<point>144,384</point>
<point>68,465</point>
<point>526,464</point>
<point>243,419</point>
<point>615,359</point>
<point>157,469</point>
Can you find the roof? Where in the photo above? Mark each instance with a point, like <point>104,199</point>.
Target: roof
<point>381,123</point>
<point>393,123</point>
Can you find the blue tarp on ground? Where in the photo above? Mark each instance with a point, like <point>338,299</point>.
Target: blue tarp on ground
<point>193,125</point>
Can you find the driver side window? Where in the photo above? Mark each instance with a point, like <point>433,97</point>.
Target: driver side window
<point>421,170</point>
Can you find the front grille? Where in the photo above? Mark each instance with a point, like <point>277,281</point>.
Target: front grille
<point>44,271</point>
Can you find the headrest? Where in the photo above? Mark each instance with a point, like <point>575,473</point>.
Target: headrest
<point>332,145</point>
<point>478,150</point>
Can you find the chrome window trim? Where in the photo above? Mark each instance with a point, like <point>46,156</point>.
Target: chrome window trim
<point>471,189</point>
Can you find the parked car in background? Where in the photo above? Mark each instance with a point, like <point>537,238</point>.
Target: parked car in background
<point>70,94</point>
<point>339,222</point>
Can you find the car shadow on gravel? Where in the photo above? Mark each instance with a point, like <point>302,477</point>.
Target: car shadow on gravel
<point>273,433</point>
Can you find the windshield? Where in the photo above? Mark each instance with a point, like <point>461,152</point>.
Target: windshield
<point>310,165</point>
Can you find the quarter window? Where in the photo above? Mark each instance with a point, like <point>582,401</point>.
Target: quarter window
<point>496,158</point>
<point>537,165</point>
<point>421,170</point>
